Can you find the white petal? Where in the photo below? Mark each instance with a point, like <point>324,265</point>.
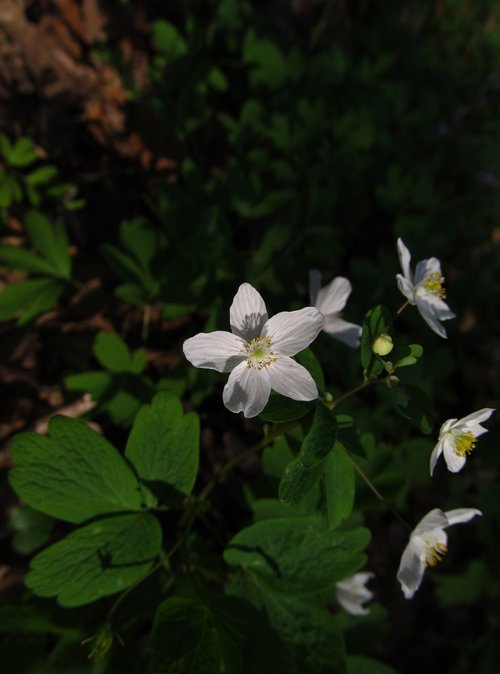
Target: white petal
<point>352,593</point>
<point>460,515</point>
<point>292,331</point>
<point>247,314</point>
<point>404,260</point>
<point>247,390</point>
<point>348,333</point>
<point>436,453</point>
<point>291,379</point>
<point>349,603</point>
<point>333,297</point>
<point>435,519</point>
<point>448,425</point>
<point>411,568</point>
<point>217,350</point>
<point>406,288</point>
<point>439,309</point>
<point>314,285</point>
<point>454,461</point>
<point>426,267</point>
<point>428,313</point>
<point>477,417</point>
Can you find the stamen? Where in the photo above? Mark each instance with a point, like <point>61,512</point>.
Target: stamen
<point>259,353</point>
<point>435,553</point>
<point>434,284</point>
<point>464,443</point>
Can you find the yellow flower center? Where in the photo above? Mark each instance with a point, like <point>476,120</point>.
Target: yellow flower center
<point>259,353</point>
<point>434,553</point>
<point>464,443</point>
<point>434,283</point>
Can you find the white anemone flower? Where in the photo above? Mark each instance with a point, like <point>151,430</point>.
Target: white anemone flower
<point>330,300</point>
<point>257,352</point>
<point>425,289</point>
<point>352,593</point>
<point>428,544</point>
<point>457,439</point>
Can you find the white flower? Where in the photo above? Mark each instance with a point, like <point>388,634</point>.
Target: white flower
<point>457,439</point>
<point>428,544</point>
<point>330,300</point>
<point>425,289</point>
<point>352,593</point>
<point>257,352</point>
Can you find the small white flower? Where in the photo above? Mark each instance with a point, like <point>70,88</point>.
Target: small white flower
<point>425,289</point>
<point>257,352</point>
<point>330,300</point>
<point>352,593</point>
<point>428,544</point>
<point>457,439</point>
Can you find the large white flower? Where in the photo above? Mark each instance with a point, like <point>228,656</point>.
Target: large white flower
<point>425,289</point>
<point>457,439</point>
<point>352,593</point>
<point>428,544</point>
<point>330,300</point>
<point>257,352</point>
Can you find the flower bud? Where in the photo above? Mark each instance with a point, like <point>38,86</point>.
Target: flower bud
<point>382,345</point>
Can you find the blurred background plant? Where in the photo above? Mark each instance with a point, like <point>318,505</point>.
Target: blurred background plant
<point>179,149</point>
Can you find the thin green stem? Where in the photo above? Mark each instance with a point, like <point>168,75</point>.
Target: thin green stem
<point>353,391</point>
<point>374,489</point>
<point>227,467</point>
<point>126,592</point>
<point>399,311</point>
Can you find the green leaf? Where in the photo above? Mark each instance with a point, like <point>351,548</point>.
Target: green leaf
<point>132,294</point>
<point>280,409</point>
<point>163,446</point>
<point>168,40</point>
<point>299,554</point>
<point>112,352</point>
<point>10,191</point>
<point>97,560</point>
<point>217,79</point>
<point>32,529</point>
<point>414,404</point>
<point>74,474</point>
<point>50,241</point>
<point>376,321</point>
<point>28,299</point>
<point>95,383</point>
<point>312,365</point>
<point>348,434</point>
<point>122,264</point>
<point>15,257</point>
<point>22,153</point>
<point>270,65</point>
<point>183,640</point>
<point>310,639</point>
<point>140,239</point>
<point>320,438</point>
<point>298,480</point>
<point>41,175</point>
<point>340,485</point>
<point>6,146</point>
<point>415,352</point>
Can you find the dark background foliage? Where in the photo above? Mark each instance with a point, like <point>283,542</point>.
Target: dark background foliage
<point>210,143</point>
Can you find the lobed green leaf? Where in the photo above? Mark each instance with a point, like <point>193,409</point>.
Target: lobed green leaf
<point>74,474</point>
<point>97,560</point>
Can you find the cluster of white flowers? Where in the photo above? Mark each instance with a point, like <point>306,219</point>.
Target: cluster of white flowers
<point>258,355</point>
<point>457,437</point>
